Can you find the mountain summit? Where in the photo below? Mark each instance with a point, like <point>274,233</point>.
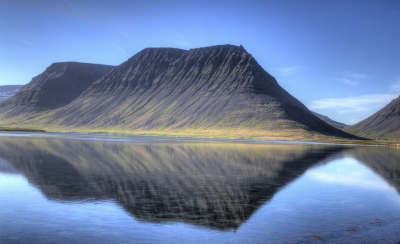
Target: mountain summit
<point>218,87</point>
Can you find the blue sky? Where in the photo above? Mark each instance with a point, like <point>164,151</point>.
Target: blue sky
<point>339,58</point>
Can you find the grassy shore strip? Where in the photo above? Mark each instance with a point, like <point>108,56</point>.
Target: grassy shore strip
<point>17,129</point>
<point>223,133</point>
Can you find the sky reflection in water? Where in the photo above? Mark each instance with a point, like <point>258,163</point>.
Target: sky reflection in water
<point>100,192</point>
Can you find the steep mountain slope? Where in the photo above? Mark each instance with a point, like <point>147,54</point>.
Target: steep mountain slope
<point>213,87</point>
<point>219,88</point>
<point>8,91</point>
<point>384,124</point>
<point>57,86</point>
<point>330,121</point>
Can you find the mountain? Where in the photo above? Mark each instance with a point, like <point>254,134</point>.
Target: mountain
<point>330,121</point>
<point>220,89</point>
<point>57,86</point>
<point>384,124</point>
<point>8,91</point>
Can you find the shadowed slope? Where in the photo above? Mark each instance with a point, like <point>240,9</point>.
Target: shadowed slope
<point>383,124</point>
<point>57,86</point>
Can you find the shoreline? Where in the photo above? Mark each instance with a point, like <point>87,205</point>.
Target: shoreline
<point>134,137</point>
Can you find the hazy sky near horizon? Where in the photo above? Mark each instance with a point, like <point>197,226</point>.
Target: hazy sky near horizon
<point>341,58</point>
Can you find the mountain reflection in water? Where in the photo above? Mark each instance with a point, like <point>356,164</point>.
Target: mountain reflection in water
<point>215,185</point>
<point>383,161</point>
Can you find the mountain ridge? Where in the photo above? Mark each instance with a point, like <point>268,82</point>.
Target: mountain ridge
<point>219,87</point>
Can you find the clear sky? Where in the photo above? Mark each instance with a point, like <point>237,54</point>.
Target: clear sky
<point>341,58</point>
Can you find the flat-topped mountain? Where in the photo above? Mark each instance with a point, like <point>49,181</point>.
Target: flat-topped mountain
<point>330,121</point>
<point>384,124</point>
<point>57,86</point>
<point>213,88</point>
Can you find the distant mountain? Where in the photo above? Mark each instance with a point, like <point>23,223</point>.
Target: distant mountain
<point>57,86</point>
<point>8,91</point>
<point>220,88</point>
<point>384,124</point>
<point>330,121</point>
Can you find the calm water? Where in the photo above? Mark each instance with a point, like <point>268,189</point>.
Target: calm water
<point>85,189</point>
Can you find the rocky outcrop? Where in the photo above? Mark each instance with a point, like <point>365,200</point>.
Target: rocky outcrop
<point>384,124</point>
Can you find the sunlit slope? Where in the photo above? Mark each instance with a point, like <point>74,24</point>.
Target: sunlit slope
<point>384,124</point>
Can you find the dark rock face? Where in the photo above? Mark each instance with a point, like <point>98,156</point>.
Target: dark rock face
<point>384,124</point>
<point>218,86</point>
<point>330,121</point>
<point>57,86</point>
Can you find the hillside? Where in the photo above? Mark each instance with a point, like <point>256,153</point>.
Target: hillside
<point>384,124</point>
<point>8,91</point>
<point>219,88</point>
<point>57,86</point>
<point>330,121</point>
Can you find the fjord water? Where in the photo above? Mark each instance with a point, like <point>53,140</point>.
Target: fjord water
<point>164,190</point>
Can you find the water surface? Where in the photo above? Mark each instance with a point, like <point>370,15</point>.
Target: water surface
<point>103,189</point>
